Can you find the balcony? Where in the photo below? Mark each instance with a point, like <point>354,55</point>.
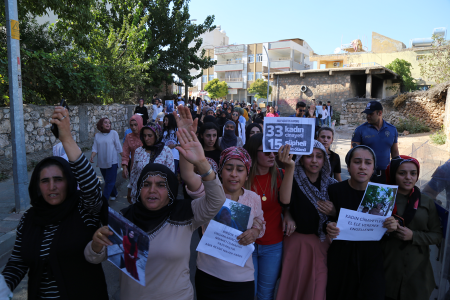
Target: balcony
<point>280,45</point>
<point>280,64</point>
<point>229,66</point>
<point>229,49</point>
<point>235,83</point>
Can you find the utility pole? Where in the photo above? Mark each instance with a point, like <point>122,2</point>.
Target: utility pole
<point>268,76</point>
<point>16,107</point>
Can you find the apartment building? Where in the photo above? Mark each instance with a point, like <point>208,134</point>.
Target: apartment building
<point>241,65</point>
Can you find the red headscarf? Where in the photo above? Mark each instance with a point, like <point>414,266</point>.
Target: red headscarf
<point>235,153</point>
<point>100,126</point>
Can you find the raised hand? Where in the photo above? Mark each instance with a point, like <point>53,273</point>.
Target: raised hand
<point>284,157</point>
<point>185,119</point>
<point>190,147</point>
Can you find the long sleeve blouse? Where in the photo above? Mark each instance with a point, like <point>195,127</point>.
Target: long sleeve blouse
<point>141,159</point>
<point>130,145</point>
<point>107,147</point>
<point>89,208</point>
<point>167,270</point>
<point>222,269</point>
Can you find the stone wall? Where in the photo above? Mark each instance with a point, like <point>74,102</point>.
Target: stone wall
<point>321,86</point>
<point>447,120</point>
<point>39,139</point>
<point>431,112</point>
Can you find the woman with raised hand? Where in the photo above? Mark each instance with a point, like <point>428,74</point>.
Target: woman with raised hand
<point>169,224</point>
<point>229,138</point>
<point>304,270</point>
<point>107,146</point>
<point>407,265</point>
<point>271,184</point>
<point>53,233</point>
<point>355,268</point>
<point>152,151</point>
<point>325,135</point>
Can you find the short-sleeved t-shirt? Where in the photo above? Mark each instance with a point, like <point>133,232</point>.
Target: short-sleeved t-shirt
<point>380,141</point>
<point>335,162</point>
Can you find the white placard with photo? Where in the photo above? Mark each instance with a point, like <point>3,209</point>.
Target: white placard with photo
<point>358,226</point>
<point>378,199</point>
<point>297,132</point>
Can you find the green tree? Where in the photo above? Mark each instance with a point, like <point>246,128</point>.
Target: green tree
<point>436,65</point>
<point>259,88</point>
<point>216,89</point>
<point>403,69</point>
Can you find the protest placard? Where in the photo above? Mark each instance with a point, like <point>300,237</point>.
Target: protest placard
<point>129,251</point>
<point>379,199</point>
<point>297,132</point>
<point>220,238</point>
<point>358,226</point>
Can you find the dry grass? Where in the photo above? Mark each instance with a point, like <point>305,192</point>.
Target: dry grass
<point>436,93</point>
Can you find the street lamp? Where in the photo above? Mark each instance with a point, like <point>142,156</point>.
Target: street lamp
<point>268,75</point>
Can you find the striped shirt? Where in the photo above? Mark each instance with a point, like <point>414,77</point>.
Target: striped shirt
<point>89,207</point>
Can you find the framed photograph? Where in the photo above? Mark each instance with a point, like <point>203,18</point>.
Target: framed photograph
<point>234,214</point>
<point>379,199</point>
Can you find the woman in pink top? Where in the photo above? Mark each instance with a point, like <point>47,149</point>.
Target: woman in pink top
<point>215,278</point>
<point>272,112</point>
<point>132,142</point>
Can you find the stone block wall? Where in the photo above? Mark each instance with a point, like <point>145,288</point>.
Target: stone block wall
<point>39,140</point>
<point>322,87</point>
<point>429,111</point>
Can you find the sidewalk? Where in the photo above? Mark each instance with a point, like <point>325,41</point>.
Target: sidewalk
<point>10,220</point>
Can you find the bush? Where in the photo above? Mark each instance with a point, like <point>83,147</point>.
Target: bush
<point>412,124</point>
<point>439,137</point>
<point>336,116</point>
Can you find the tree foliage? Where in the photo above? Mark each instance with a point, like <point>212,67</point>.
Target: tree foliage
<point>379,195</point>
<point>216,89</point>
<point>259,88</point>
<point>436,65</point>
<point>403,69</point>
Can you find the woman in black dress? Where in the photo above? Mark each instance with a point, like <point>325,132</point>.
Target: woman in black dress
<point>325,135</point>
<point>355,269</point>
<point>141,109</point>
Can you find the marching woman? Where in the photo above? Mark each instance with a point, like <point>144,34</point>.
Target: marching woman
<point>239,120</point>
<point>355,269</point>
<point>325,135</point>
<point>52,234</point>
<point>169,224</point>
<point>304,271</point>
<point>170,137</point>
<point>251,130</point>
<point>152,151</point>
<point>107,146</point>
<point>229,138</point>
<point>268,181</point>
<point>407,265</point>
<point>142,110</point>
<point>208,138</point>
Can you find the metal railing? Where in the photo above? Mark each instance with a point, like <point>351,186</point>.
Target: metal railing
<point>355,65</point>
<point>229,62</point>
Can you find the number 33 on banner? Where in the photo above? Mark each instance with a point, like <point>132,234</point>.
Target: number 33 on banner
<point>297,132</point>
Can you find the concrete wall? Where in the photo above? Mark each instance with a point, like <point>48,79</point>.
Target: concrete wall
<point>39,139</point>
<point>321,86</point>
<point>381,43</point>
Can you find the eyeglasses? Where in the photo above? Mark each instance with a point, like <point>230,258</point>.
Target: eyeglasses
<point>268,153</point>
<point>234,114</point>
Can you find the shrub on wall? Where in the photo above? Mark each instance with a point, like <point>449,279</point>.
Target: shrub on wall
<point>439,137</point>
<point>412,124</point>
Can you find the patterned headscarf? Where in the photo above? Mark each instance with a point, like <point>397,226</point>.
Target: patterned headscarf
<point>157,130</point>
<point>100,126</point>
<point>310,191</point>
<point>158,146</point>
<point>235,153</point>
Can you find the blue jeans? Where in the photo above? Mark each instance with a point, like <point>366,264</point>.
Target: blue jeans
<point>267,262</point>
<point>110,175</point>
<point>328,121</point>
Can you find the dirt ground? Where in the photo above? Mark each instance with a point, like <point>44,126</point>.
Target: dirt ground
<point>405,143</point>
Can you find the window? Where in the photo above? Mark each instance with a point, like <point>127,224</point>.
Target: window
<point>251,58</point>
<point>250,76</point>
<point>211,77</point>
<point>204,78</point>
<point>259,57</point>
<point>258,75</point>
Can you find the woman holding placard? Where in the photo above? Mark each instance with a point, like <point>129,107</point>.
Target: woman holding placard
<point>355,268</point>
<point>407,265</point>
<point>169,223</point>
<point>271,184</point>
<point>304,271</point>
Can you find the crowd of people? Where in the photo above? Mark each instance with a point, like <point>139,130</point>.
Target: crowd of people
<point>214,151</point>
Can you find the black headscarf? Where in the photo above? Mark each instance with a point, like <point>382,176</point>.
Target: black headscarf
<point>177,212</point>
<point>45,213</point>
<point>211,119</point>
<point>158,146</point>
<point>249,128</point>
<point>229,138</point>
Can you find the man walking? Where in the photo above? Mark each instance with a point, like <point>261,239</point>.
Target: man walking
<point>330,113</point>
<point>379,135</point>
<point>300,110</point>
<point>319,114</point>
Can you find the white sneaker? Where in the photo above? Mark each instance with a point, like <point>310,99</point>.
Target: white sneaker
<point>112,198</point>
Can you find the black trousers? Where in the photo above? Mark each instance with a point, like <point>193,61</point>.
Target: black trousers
<point>212,288</point>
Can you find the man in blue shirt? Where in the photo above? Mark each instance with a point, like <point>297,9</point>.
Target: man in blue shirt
<point>300,110</point>
<point>379,135</point>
